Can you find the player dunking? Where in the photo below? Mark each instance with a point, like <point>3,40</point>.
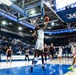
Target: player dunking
<point>39,43</point>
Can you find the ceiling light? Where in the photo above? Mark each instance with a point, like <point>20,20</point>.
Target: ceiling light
<point>4,22</point>
<point>20,28</point>
<point>52,23</point>
<point>32,11</point>
<point>47,3</point>
<point>41,17</point>
<point>10,23</point>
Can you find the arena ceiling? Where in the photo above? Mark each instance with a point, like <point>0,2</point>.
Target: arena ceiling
<point>55,22</point>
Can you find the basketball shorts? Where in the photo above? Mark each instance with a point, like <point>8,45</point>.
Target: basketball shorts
<point>39,44</point>
<point>74,55</point>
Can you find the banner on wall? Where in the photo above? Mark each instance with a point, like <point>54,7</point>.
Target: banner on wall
<point>68,15</point>
<point>66,9</point>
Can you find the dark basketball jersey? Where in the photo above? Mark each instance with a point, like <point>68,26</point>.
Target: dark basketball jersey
<point>45,50</point>
<point>51,49</point>
<point>9,51</point>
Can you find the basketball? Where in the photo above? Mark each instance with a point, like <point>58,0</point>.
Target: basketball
<point>47,19</point>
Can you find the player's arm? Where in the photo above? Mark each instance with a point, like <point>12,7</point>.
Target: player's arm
<point>34,34</point>
<point>54,47</point>
<point>43,49</point>
<point>45,25</point>
<point>7,51</point>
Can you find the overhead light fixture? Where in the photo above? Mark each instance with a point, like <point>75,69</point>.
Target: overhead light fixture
<point>47,3</point>
<point>20,28</point>
<point>10,23</point>
<point>32,11</point>
<point>52,23</point>
<point>4,23</point>
<point>41,17</point>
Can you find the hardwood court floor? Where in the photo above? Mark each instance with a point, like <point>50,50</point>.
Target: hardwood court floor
<point>53,67</point>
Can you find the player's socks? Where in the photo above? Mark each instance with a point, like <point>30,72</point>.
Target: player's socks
<point>32,67</point>
<point>43,67</point>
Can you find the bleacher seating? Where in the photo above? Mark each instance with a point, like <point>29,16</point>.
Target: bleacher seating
<point>20,44</point>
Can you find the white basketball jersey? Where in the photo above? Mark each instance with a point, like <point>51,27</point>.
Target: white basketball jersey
<point>60,50</point>
<point>73,49</point>
<point>40,34</point>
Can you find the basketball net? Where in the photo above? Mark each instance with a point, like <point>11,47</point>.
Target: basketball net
<point>33,20</point>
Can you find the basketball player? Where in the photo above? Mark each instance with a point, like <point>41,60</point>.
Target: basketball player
<point>39,44</point>
<point>46,50</point>
<point>27,55</point>
<point>60,53</point>
<point>51,50</point>
<point>9,53</point>
<point>73,50</point>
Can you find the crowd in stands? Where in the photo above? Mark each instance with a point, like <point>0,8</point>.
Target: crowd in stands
<point>19,45</point>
